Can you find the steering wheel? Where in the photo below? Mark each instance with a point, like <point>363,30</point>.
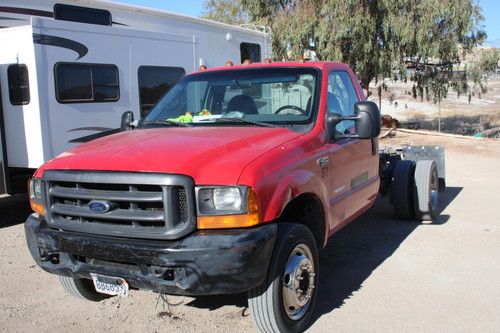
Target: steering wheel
<point>293,107</point>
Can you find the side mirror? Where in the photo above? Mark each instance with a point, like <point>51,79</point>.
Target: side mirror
<point>127,120</point>
<point>367,121</point>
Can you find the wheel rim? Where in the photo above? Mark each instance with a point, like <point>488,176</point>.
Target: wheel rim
<point>434,191</point>
<point>298,282</point>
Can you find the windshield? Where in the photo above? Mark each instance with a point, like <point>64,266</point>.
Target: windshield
<point>264,96</point>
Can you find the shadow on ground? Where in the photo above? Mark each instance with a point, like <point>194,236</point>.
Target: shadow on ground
<point>351,255</point>
<point>14,210</point>
<point>356,251</point>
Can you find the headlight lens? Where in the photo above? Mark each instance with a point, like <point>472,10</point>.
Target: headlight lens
<point>36,188</point>
<point>36,196</point>
<point>227,199</point>
<point>221,200</point>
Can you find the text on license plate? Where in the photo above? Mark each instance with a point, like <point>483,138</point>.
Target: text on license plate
<point>110,285</point>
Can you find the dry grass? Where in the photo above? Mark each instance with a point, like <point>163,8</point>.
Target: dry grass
<point>458,116</point>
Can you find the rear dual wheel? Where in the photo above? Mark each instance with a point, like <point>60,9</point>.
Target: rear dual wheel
<point>285,300</point>
<point>415,190</point>
<point>426,190</point>
<point>402,189</point>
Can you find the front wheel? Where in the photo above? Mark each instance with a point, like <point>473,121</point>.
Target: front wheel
<point>285,300</point>
<point>81,288</point>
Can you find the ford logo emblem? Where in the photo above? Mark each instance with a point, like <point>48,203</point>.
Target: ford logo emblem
<point>98,206</point>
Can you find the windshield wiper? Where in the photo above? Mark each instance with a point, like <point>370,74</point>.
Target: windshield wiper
<point>167,123</point>
<point>237,120</point>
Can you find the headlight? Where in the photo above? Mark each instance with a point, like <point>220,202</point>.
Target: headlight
<point>36,196</point>
<point>221,200</point>
<point>36,188</point>
<point>226,207</point>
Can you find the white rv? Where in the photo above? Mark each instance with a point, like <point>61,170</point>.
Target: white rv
<point>69,69</point>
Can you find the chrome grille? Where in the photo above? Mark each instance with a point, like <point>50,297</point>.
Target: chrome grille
<point>144,205</point>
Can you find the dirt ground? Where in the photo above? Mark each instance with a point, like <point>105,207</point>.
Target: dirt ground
<point>377,274</point>
<point>480,115</point>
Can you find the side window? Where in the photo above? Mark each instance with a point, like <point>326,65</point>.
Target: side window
<point>250,51</point>
<point>19,89</point>
<point>153,82</point>
<point>341,98</point>
<point>86,83</point>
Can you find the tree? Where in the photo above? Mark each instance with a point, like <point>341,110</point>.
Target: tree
<point>418,40</point>
<point>226,11</point>
<point>488,61</point>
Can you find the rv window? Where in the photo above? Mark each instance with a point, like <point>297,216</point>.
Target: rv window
<point>19,88</point>
<point>153,82</point>
<point>82,14</point>
<point>86,83</point>
<point>250,51</point>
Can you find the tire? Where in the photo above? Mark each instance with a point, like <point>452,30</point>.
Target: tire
<point>294,249</point>
<point>402,189</point>
<point>426,190</point>
<point>82,288</point>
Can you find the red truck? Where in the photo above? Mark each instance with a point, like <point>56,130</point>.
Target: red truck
<point>231,183</point>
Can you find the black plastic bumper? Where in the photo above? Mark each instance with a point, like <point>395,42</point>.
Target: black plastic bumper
<point>204,263</point>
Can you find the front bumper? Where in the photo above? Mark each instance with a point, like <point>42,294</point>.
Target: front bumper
<point>203,263</point>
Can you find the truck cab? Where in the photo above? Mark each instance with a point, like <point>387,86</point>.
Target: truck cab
<point>232,182</point>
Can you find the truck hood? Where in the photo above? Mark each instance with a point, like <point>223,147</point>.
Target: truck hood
<point>211,155</point>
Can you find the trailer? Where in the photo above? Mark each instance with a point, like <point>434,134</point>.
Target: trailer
<point>69,70</point>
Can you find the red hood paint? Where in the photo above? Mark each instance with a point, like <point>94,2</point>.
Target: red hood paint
<point>211,155</point>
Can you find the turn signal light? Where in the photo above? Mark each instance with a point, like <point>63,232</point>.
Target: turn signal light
<point>37,207</point>
<point>250,219</point>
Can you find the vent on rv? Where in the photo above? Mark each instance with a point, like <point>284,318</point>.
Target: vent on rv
<point>82,14</point>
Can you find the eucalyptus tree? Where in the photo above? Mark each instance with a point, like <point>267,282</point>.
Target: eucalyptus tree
<point>419,40</point>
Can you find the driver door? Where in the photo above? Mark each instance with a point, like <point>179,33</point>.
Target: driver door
<point>350,158</point>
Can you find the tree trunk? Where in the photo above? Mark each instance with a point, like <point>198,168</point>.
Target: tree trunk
<point>439,115</point>
<point>365,83</point>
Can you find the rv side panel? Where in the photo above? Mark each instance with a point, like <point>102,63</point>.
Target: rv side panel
<point>89,76</point>
<point>21,117</point>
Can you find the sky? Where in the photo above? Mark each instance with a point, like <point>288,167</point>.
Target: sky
<point>491,12</point>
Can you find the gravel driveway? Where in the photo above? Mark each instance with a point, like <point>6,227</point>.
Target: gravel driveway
<point>377,275</point>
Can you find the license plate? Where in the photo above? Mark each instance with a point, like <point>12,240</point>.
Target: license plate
<point>110,285</point>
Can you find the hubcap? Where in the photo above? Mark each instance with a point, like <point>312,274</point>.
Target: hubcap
<point>434,190</point>
<point>298,282</point>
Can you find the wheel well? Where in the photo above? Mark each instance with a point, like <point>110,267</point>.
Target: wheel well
<point>307,209</point>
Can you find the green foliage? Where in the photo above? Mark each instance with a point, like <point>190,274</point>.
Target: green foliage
<point>379,38</point>
<point>226,11</point>
<point>489,60</point>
